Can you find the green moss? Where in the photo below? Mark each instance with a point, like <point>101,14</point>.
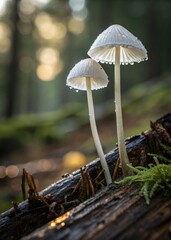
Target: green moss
<point>152,179</point>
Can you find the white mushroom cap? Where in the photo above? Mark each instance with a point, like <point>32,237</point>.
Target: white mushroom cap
<point>131,49</point>
<point>87,68</point>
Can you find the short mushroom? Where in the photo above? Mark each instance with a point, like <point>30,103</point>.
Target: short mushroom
<point>118,46</point>
<point>88,75</point>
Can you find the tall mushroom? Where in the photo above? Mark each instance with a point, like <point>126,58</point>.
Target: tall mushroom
<point>118,46</point>
<point>88,75</point>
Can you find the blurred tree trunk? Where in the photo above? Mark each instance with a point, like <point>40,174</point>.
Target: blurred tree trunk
<point>152,15</point>
<point>11,87</point>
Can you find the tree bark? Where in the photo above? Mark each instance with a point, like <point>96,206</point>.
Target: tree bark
<point>111,204</point>
<point>114,213</point>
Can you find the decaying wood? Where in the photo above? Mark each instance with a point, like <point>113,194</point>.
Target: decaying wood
<point>67,193</point>
<point>114,213</point>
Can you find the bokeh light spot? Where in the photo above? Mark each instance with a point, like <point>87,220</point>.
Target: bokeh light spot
<point>12,171</point>
<point>75,26</point>
<point>47,72</point>
<point>48,28</point>
<point>80,15</point>
<point>4,38</point>
<point>26,7</point>
<point>48,55</point>
<point>45,165</point>
<point>74,159</point>
<point>76,5</point>
<point>3,7</point>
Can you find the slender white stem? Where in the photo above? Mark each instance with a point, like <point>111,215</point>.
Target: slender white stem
<point>95,133</point>
<point>119,121</point>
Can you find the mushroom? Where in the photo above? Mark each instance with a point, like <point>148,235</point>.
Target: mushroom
<point>88,75</point>
<point>118,46</point>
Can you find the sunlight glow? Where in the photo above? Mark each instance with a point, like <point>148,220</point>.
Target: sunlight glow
<point>47,72</point>
<point>59,220</point>
<point>3,7</point>
<point>75,26</point>
<point>4,38</point>
<point>50,64</point>
<point>49,29</point>
<point>48,55</point>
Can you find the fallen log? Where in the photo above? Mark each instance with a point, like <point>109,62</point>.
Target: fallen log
<point>64,195</point>
<point>114,213</point>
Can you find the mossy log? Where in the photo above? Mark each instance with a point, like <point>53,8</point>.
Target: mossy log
<point>109,203</point>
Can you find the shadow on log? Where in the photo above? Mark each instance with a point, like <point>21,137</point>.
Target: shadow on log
<point>113,213</point>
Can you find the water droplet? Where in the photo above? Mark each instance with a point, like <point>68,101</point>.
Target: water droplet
<point>132,63</point>
<point>70,87</point>
<point>77,90</point>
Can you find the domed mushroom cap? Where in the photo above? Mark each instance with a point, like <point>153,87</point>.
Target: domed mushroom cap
<point>87,68</point>
<point>131,49</point>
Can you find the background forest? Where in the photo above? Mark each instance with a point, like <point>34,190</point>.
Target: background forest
<point>40,41</point>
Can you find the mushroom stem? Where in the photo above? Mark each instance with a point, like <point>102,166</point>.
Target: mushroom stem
<point>119,121</point>
<point>95,133</point>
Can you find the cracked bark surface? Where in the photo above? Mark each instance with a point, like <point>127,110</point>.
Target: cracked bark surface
<point>114,213</point>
